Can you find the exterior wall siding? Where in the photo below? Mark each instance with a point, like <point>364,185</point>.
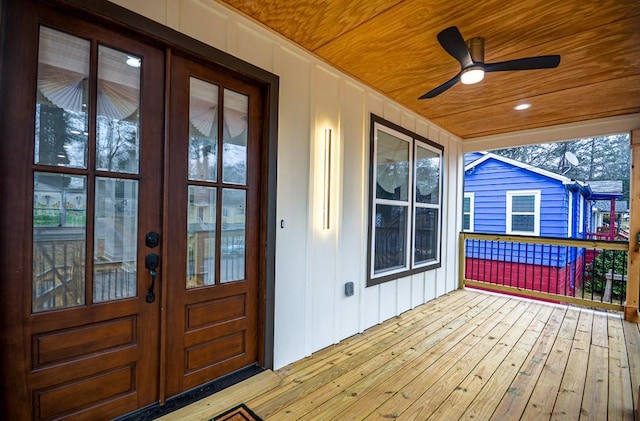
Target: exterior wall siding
<point>312,264</point>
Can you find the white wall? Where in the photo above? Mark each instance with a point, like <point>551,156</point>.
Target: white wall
<point>312,264</point>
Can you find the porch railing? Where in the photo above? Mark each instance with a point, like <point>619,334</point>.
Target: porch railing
<point>585,272</point>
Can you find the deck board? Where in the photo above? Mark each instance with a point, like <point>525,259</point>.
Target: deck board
<point>468,355</point>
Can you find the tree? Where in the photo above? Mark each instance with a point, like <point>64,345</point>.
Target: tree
<point>599,158</point>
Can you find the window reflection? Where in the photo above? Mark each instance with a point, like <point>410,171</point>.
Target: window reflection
<point>201,236</point>
<point>59,240</point>
<point>234,153</point>
<point>116,239</point>
<point>63,94</point>
<point>203,130</point>
<point>117,141</point>
<point>234,221</point>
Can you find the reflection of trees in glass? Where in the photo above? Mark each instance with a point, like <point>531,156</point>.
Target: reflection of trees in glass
<point>60,136</point>
<point>235,163</point>
<point>53,135</point>
<point>203,158</point>
<point>428,178</point>
<point>117,145</point>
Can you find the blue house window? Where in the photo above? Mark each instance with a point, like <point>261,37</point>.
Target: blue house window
<point>467,212</point>
<point>523,212</point>
<point>406,202</point>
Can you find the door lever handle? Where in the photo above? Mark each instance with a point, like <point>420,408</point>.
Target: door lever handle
<point>151,263</point>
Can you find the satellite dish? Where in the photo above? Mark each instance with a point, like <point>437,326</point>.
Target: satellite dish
<point>571,158</point>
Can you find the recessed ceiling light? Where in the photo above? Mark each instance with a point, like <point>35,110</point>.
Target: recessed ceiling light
<point>521,107</point>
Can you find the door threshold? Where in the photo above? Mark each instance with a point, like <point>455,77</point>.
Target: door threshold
<point>187,398</point>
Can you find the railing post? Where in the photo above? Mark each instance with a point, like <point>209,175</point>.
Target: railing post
<point>633,269</point>
<point>461,260</point>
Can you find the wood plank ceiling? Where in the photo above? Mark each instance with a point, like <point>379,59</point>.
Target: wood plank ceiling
<point>391,46</point>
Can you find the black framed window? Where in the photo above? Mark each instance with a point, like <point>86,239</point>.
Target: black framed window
<point>405,202</point>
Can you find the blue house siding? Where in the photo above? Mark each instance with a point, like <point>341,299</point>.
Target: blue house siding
<point>490,181</point>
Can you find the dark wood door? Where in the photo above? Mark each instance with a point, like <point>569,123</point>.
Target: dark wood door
<point>99,151</point>
<point>83,161</point>
<point>213,198</point>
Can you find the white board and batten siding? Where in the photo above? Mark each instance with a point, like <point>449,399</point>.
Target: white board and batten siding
<point>312,264</point>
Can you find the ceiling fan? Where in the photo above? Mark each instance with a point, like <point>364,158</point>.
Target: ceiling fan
<point>471,57</point>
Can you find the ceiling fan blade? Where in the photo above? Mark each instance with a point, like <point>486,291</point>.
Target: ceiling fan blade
<point>529,63</point>
<point>453,43</point>
<point>440,89</point>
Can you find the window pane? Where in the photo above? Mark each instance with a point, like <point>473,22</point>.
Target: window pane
<point>522,223</point>
<point>466,222</point>
<point>392,167</point>
<point>116,239</point>
<point>427,176</point>
<point>523,204</point>
<point>59,241</point>
<point>203,131</point>
<point>390,238</point>
<point>63,94</point>
<point>232,245</point>
<point>234,152</point>
<point>117,138</point>
<point>466,205</point>
<point>201,236</point>
<point>426,235</point>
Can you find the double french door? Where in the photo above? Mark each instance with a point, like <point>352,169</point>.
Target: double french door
<point>131,226</point>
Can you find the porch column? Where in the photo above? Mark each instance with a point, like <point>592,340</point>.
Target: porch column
<point>633,283</point>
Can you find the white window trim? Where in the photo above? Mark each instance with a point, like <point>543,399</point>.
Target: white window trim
<point>570,219</point>
<point>581,217</point>
<point>536,219</point>
<point>472,199</point>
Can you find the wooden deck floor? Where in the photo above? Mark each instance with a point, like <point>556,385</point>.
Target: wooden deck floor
<point>468,355</point>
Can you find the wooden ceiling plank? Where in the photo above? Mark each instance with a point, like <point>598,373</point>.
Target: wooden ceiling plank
<point>567,106</point>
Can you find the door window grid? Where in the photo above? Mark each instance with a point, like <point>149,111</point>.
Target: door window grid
<point>226,225</point>
<point>62,140</point>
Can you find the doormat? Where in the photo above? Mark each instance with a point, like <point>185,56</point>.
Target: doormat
<point>239,413</point>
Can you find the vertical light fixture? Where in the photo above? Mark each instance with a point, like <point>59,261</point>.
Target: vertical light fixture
<point>326,194</point>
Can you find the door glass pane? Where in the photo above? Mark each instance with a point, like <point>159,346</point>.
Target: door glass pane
<point>117,131</point>
<point>234,153</point>
<point>232,244</point>
<point>390,238</point>
<point>116,239</point>
<point>59,240</point>
<point>427,176</point>
<point>63,93</point>
<point>201,236</point>
<point>392,167</point>
<point>203,131</point>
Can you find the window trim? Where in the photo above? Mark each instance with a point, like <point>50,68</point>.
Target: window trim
<point>570,218</point>
<point>410,267</point>
<point>472,198</point>
<point>536,212</point>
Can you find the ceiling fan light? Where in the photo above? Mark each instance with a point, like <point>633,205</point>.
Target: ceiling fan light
<point>472,75</point>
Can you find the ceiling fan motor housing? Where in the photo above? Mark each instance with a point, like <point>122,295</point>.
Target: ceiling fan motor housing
<point>476,49</point>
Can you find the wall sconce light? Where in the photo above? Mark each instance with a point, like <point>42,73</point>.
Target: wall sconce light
<point>326,195</point>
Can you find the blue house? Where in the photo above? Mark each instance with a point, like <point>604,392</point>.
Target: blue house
<point>505,196</point>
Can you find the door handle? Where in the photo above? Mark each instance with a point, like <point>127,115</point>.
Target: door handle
<point>151,263</point>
